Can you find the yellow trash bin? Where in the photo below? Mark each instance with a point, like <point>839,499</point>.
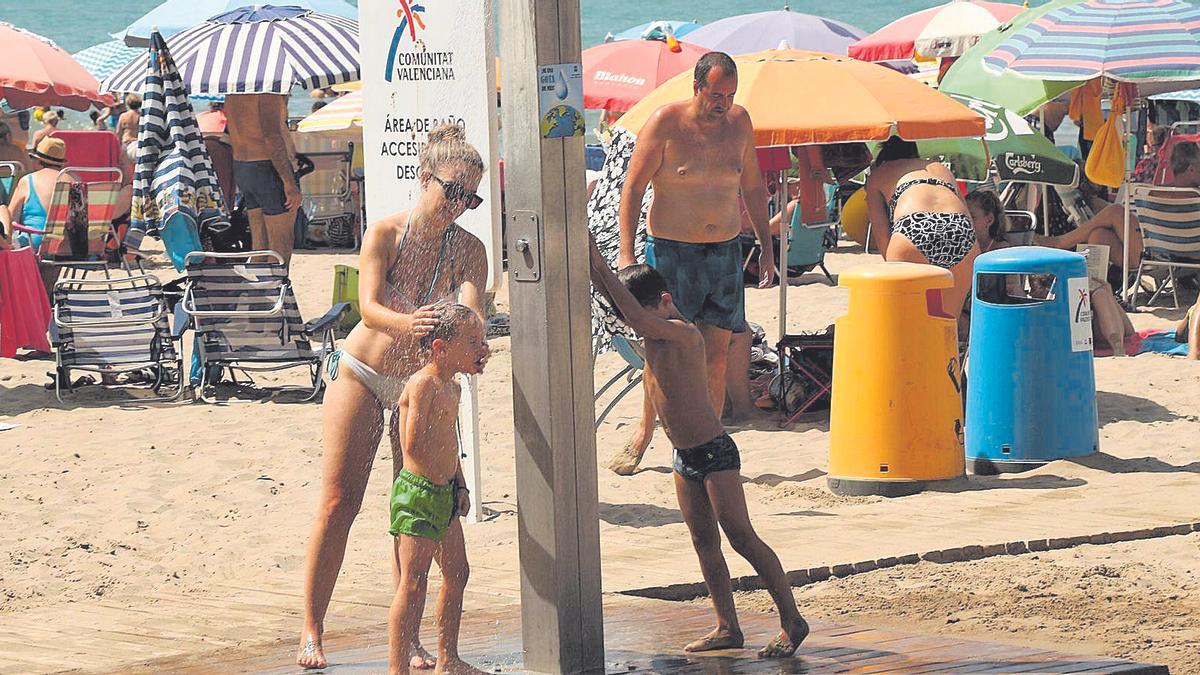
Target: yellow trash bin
<point>896,414</point>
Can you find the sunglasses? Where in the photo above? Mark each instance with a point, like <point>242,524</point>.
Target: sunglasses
<point>455,192</point>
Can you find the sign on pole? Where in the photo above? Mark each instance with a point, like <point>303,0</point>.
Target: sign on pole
<point>420,71</point>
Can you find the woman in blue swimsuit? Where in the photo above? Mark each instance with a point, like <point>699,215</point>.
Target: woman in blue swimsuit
<point>917,216</point>
<point>408,262</point>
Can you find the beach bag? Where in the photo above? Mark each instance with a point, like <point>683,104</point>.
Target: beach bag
<point>345,289</point>
<point>1106,161</point>
<point>75,233</point>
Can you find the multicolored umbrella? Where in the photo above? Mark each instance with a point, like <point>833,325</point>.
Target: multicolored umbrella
<point>841,100</point>
<point>748,33</point>
<point>174,185</point>
<point>616,75</point>
<point>173,16</point>
<point>1124,40</point>
<point>1016,150</point>
<point>657,30</point>
<point>947,30</point>
<point>35,71</point>
<point>279,47</point>
<point>107,58</point>
<point>1019,94</point>
<point>343,113</point>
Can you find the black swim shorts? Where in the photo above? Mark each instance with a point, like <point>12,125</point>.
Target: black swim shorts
<point>261,186</point>
<point>705,280</point>
<point>719,454</point>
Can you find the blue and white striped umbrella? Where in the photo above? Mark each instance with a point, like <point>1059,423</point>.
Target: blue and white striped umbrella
<point>1191,95</point>
<point>106,58</point>
<point>173,16</point>
<point>174,185</point>
<point>1126,40</point>
<point>257,50</point>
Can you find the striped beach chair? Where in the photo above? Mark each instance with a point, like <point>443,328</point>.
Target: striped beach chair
<point>79,222</point>
<point>115,326</point>
<point>245,317</point>
<point>1170,219</point>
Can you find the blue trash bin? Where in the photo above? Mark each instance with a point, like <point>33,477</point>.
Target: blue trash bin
<point>1031,386</point>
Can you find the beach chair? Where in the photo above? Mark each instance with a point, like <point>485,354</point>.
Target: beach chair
<point>328,197</point>
<point>79,225</point>
<point>632,372</point>
<point>1170,219</point>
<point>114,326</point>
<point>9,173</point>
<point>245,318</point>
<point>805,379</point>
<point>808,244</point>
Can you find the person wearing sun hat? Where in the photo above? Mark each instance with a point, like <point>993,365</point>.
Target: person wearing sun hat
<point>32,194</point>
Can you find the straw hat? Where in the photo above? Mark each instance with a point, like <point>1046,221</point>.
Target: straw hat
<point>51,152</point>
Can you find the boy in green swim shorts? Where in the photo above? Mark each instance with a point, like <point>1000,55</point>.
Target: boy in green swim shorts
<point>429,493</point>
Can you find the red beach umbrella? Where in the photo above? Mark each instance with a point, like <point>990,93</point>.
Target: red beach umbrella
<point>944,31</point>
<point>34,71</point>
<point>616,75</point>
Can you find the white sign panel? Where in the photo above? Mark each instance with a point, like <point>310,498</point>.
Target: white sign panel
<point>425,62</point>
<point>1079,303</point>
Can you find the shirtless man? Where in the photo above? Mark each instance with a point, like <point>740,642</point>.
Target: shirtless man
<point>262,168</point>
<point>699,155</point>
<point>706,464</point>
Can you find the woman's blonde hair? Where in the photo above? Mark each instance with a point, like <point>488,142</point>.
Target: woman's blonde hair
<point>448,144</point>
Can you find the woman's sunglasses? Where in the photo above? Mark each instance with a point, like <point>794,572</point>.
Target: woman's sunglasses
<point>455,192</point>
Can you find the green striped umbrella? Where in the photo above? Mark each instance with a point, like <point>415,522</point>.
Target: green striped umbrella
<point>1021,95</point>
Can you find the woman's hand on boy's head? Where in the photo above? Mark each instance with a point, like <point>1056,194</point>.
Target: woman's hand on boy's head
<point>424,320</point>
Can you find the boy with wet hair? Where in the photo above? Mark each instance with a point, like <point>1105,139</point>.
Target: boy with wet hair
<point>706,460</point>
<point>429,494</point>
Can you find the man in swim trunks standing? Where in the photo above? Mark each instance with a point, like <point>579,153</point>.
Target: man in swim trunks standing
<point>699,155</point>
<point>262,168</point>
<point>706,462</point>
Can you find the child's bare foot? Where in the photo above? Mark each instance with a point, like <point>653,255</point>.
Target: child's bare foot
<point>625,462</point>
<point>310,654</point>
<point>456,666</point>
<point>787,642</point>
<point>420,658</point>
<point>718,639</point>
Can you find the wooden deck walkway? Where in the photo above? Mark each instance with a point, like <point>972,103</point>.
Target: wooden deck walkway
<point>642,635</point>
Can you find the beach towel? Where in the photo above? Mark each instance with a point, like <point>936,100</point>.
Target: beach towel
<point>1161,342</point>
<point>603,222</point>
<point>24,307</point>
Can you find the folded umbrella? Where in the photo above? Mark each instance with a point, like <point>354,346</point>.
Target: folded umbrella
<point>174,185</point>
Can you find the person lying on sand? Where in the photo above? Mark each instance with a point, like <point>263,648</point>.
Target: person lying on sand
<point>429,493</point>
<point>707,480</point>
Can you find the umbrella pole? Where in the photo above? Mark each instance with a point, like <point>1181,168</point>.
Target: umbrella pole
<point>1129,150</point>
<point>784,235</point>
<point>1045,187</point>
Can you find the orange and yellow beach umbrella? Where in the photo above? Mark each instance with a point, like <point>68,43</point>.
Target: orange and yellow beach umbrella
<point>798,98</point>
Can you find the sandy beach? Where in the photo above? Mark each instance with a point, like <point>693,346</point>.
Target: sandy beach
<point>106,506</point>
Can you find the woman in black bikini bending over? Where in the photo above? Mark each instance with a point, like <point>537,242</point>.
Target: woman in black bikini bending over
<point>917,216</point>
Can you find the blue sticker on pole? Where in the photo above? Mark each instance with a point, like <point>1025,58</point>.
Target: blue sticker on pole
<point>560,100</point>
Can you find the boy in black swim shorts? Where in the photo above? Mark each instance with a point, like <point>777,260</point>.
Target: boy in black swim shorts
<point>706,460</point>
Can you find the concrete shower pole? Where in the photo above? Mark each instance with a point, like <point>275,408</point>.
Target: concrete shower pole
<point>553,407</point>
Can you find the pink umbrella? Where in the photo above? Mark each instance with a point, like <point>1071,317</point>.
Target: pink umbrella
<point>944,31</point>
<point>35,71</point>
<point>616,75</point>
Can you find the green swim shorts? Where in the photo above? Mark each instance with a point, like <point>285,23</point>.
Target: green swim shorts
<point>419,507</point>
